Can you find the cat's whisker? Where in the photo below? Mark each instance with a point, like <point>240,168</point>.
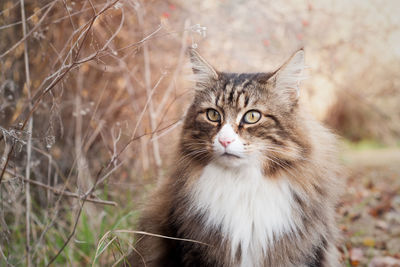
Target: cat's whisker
<point>193,155</point>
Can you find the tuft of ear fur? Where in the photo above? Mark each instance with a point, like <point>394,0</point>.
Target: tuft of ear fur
<point>203,72</point>
<point>288,77</point>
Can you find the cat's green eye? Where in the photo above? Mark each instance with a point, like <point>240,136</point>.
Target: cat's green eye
<point>251,117</point>
<point>213,115</point>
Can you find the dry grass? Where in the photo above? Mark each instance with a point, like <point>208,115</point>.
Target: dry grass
<point>89,110</point>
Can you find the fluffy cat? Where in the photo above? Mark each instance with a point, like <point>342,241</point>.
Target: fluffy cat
<point>255,181</point>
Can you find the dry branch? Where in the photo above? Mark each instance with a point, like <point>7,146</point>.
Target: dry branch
<point>60,192</point>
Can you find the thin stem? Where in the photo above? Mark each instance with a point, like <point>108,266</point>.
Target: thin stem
<point>152,112</point>
<point>29,143</point>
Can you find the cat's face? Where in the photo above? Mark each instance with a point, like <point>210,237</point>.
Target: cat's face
<point>240,119</point>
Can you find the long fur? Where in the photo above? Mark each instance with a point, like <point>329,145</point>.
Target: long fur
<point>267,199</point>
<point>236,200</point>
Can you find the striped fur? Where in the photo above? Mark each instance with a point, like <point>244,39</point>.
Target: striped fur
<point>267,199</point>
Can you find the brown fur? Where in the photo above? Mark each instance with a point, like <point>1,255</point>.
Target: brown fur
<point>302,150</point>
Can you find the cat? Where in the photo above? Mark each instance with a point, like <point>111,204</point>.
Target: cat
<point>255,182</point>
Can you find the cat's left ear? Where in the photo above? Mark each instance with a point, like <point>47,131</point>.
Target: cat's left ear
<point>288,77</point>
<point>202,70</point>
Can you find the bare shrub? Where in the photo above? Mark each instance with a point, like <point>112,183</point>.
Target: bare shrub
<point>81,109</point>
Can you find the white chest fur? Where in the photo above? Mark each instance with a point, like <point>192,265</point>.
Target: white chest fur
<point>250,209</point>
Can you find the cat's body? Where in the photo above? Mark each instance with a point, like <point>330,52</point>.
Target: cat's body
<point>255,182</point>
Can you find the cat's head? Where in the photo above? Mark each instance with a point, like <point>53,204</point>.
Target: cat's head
<point>245,118</point>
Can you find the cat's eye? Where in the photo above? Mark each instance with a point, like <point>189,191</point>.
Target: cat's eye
<point>251,117</point>
<point>213,115</point>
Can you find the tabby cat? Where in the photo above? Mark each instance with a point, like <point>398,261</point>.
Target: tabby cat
<point>255,181</point>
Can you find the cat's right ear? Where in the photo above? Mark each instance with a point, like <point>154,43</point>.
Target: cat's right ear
<point>288,77</point>
<point>202,70</point>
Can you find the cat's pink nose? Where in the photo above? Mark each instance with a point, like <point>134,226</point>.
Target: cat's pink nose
<point>225,141</point>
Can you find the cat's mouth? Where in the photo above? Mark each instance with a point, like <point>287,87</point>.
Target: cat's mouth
<point>229,155</point>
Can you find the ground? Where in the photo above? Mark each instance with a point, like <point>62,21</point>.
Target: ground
<point>370,207</point>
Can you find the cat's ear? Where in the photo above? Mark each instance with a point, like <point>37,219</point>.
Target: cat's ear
<point>288,77</point>
<point>202,70</point>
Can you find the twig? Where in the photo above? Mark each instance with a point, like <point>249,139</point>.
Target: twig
<point>145,134</point>
<point>157,235</point>
<point>151,35</point>
<point>144,109</point>
<point>175,124</point>
<point>5,258</point>
<point>69,15</point>
<point>176,72</point>
<point>6,154</point>
<point>61,192</point>
<point>101,180</point>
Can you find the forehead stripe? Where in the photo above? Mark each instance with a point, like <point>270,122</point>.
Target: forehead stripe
<point>231,94</point>
<point>245,84</point>
<point>235,91</point>
<point>246,100</point>
<point>216,99</point>
<point>229,88</point>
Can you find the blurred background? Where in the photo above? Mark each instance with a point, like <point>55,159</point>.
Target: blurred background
<point>92,95</point>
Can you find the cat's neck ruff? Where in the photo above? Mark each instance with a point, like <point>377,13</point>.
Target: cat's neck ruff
<point>251,210</point>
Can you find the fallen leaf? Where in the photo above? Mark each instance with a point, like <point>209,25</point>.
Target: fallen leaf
<point>356,255</point>
<point>382,225</point>
<point>369,242</point>
<point>384,206</point>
